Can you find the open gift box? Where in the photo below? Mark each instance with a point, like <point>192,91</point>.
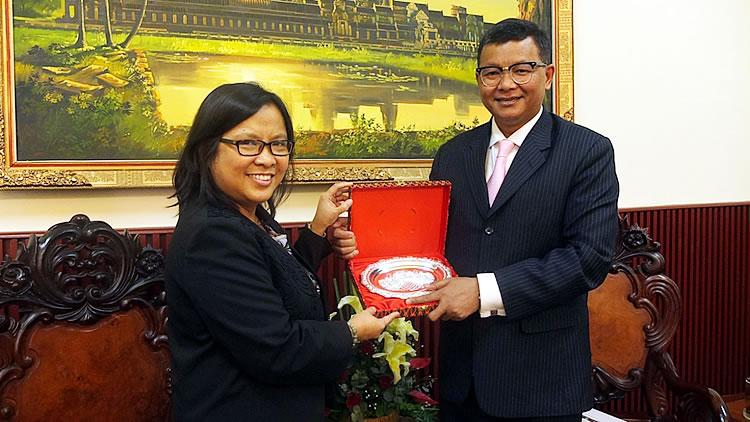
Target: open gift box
<point>400,230</point>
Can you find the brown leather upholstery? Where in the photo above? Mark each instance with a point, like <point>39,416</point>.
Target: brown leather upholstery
<point>633,316</point>
<point>618,341</point>
<point>84,335</point>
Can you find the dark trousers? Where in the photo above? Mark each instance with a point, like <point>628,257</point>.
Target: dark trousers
<point>469,411</point>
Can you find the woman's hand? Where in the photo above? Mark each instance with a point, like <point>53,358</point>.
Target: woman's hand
<point>331,204</point>
<point>368,326</point>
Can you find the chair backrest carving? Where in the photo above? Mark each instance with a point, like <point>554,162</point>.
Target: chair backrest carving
<point>633,316</point>
<point>83,335</point>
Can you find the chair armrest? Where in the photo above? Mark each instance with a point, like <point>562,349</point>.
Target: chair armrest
<point>694,402</point>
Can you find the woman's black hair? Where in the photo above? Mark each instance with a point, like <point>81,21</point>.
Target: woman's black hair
<point>223,109</point>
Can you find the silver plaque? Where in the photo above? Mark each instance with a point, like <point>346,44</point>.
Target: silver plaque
<point>403,277</point>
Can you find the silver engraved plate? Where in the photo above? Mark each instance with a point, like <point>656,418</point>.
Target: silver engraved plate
<point>403,277</point>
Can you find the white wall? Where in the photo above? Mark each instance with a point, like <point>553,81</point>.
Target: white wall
<point>643,77</point>
<point>37,210</point>
<point>667,82</point>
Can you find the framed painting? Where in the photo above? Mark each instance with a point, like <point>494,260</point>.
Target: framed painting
<point>101,93</point>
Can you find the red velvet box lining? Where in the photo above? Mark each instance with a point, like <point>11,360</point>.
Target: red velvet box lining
<point>395,220</point>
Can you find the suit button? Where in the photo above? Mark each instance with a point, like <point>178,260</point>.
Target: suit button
<point>488,231</point>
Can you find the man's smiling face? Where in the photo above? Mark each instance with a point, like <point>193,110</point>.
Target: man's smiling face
<point>511,104</point>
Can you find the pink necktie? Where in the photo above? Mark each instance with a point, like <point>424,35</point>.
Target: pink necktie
<point>498,173</point>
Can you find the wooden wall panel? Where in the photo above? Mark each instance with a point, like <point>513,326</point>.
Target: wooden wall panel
<point>707,252</point>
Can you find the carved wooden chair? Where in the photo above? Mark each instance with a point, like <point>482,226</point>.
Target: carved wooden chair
<point>633,317</point>
<point>83,335</point>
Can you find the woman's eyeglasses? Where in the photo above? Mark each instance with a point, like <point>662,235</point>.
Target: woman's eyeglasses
<point>251,147</point>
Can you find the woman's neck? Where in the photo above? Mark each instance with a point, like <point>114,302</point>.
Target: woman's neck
<point>250,214</point>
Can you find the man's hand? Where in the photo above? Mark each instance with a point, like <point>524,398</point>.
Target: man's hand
<point>458,298</point>
<point>343,242</point>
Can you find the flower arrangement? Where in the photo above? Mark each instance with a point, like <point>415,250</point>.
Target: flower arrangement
<point>381,379</point>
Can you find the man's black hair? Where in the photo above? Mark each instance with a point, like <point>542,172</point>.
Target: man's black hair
<point>517,30</point>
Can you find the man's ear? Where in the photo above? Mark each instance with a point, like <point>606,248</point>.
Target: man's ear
<point>549,72</point>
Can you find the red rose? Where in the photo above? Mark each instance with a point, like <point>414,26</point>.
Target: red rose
<point>343,377</point>
<point>367,348</point>
<point>326,411</point>
<point>353,399</point>
<point>421,397</point>
<point>418,363</point>
<point>386,381</point>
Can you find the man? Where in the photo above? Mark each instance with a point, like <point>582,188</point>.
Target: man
<point>528,237</point>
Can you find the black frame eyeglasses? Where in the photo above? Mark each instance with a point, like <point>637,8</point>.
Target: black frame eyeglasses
<point>253,147</point>
<point>520,73</point>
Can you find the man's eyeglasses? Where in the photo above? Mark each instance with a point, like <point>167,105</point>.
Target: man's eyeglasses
<point>520,73</point>
<point>251,147</point>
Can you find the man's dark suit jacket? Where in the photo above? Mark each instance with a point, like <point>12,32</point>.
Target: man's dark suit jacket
<point>549,239</point>
<point>247,330</point>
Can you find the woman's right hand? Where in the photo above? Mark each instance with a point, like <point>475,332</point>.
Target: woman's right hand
<point>369,326</point>
<point>331,204</point>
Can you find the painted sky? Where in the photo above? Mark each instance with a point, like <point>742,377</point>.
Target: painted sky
<point>492,10</point>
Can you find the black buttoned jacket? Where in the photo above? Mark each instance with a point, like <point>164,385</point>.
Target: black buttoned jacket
<point>247,329</point>
<point>549,238</point>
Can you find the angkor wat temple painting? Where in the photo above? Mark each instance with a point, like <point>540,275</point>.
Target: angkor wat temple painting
<point>122,80</point>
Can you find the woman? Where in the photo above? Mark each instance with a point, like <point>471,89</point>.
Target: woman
<point>247,329</point>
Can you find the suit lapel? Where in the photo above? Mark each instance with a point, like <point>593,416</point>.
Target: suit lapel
<point>475,158</point>
<point>529,158</point>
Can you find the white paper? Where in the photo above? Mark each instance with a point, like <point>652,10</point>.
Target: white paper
<point>597,416</point>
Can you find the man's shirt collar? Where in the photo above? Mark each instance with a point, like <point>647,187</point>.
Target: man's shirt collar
<point>496,135</point>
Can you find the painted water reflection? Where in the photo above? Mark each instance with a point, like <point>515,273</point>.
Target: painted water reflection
<point>321,96</point>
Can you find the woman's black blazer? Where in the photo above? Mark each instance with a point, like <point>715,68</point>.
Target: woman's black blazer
<point>247,329</point>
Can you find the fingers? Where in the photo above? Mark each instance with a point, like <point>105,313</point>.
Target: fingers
<point>430,297</point>
<point>370,310</point>
<point>347,255</point>
<point>342,234</point>
<point>344,242</point>
<point>344,206</point>
<point>340,186</point>
<point>437,285</point>
<point>338,192</point>
<point>341,195</point>
<point>344,248</point>
<point>389,318</point>
<point>438,312</point>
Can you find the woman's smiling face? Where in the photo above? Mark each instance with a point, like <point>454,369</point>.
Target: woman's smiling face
<point>250,181</point>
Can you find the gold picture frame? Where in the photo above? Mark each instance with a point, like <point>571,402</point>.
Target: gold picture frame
<point>28,174</point>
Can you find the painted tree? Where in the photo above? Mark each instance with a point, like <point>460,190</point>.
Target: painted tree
<point>81,41</point>
<point>108,25</point>
<point>136,25</point>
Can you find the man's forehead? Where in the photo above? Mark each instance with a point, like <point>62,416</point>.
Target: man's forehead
<point>525,49</point>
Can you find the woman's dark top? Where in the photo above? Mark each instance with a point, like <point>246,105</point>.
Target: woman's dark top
<point>247,329</point>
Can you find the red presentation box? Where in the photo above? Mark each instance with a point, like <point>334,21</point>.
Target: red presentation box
<point>398,225</point>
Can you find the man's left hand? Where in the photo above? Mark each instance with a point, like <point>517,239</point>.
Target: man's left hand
<point>458,298</point>
<point>343,242</point>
